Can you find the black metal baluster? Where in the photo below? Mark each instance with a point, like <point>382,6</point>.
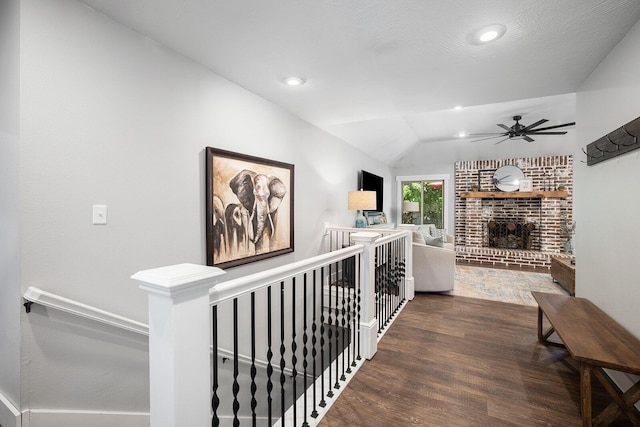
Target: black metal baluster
<point>351,261</point>
<point>388,281</point>
<point>378,286</point>
<point>403,268</point>
<point>359,293</point>
<point>269,357</point>
<point>236,385</point>
<point>330,333</point>
<point>215,400</point>
<point>343,311</point>
<point>282,349</point>
<point>254,387</point>
<point>322,403</point>
<point>381,286</point>
<point>314,341</point>
<point>304,348</point>
<point>337,327</point>
<point>294,346</point>
<point>396,282</point>
<point>383,269</point>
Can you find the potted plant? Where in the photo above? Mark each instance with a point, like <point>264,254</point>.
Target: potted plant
<point>567,230</point>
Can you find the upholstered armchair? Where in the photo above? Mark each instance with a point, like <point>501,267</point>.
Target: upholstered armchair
<point>434,267</point>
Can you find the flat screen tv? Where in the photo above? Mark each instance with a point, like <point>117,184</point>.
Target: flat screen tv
<point>370,182</point>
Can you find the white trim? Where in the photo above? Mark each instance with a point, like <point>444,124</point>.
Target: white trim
<point>243,285</point>
<point>9,415</point>
<point>435,177</point>
<point>47,299</point>
<point>322,411</point>
<point>178,279</point>
<point>56,418</point>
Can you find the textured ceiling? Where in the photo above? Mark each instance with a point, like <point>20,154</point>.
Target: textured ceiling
<point>383,75</point>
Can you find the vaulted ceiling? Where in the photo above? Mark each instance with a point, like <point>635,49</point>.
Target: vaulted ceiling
<point>384,75</point>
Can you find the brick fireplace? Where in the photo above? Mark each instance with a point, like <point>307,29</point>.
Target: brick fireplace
<point>514,230</point>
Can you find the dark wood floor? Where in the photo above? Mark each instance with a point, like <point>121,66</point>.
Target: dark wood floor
<point>456,361</point>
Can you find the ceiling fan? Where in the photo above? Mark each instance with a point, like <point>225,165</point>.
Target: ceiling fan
<point>520,131</point>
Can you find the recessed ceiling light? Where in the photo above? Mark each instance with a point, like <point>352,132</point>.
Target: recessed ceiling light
<point>293,81</point>
<point>462,134</point>
<point>488,34</point>
<point>458,107</point>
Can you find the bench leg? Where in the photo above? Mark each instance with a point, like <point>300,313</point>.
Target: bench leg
<point>540,339</point>
<point>543,337</point>
<point>585,393</point>
<point>623,403</point>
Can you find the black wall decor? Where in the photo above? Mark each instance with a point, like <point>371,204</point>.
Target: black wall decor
<point>620,141</point>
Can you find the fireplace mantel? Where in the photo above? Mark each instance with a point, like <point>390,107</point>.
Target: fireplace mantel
<point>560,194</point>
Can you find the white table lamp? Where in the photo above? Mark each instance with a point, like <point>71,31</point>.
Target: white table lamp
<point>362,200</point>
<point>409,208</point>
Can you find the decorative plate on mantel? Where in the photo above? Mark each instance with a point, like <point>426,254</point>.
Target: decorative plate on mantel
<point>507,178</point>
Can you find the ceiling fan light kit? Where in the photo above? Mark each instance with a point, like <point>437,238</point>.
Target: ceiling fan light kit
<point>520,131</point>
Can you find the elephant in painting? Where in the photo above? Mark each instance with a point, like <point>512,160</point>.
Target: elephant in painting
<point>261,196</point>
<point>219,230</point>
<point>237,221</point>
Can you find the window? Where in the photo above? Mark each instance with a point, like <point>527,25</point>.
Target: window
<point>427,200</point>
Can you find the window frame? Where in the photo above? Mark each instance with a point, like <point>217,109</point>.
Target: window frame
<point>446,178</point>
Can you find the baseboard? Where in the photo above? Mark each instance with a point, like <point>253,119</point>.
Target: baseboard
<point>66,418</point>
<point>9,415</point>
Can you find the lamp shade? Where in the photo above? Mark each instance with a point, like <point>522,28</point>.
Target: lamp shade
<point>362,200</point>
<point>410,207</point>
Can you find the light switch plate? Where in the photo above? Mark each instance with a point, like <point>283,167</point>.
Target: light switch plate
<point>99,214</point>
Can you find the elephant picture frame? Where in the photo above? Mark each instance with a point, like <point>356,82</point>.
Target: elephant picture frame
<point>249,208</point>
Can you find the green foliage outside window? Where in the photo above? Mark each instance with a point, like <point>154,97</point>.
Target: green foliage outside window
<point>432,208</point>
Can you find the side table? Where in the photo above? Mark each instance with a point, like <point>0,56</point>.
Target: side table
<point>563,272</point>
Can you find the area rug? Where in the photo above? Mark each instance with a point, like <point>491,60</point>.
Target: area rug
<point>502,285</point>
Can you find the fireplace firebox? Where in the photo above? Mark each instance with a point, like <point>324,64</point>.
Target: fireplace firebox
<point>510,234</point>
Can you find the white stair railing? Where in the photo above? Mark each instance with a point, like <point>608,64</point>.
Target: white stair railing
<point>278,318</point>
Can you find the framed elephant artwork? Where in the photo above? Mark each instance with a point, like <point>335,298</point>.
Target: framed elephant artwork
<point>249,208</point>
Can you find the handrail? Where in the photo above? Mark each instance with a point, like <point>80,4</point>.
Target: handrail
<point>47,299</point>
<point>34,295</point>
<point>222,292</point>
<point>389,237</point>
<point>231,289</point>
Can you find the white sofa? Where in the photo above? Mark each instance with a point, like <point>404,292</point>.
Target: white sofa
<point>434,267</point>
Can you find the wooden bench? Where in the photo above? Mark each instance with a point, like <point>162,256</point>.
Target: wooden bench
<point>596,341</point>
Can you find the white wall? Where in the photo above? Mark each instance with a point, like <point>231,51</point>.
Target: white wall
<point>109,117</point>
<point>9,210</point>
<point>440,157</point>
<point>606,202</point>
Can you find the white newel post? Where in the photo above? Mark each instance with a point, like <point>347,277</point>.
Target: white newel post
<point>368,320</point>
<point>408,250</point>
<point>179,341</point>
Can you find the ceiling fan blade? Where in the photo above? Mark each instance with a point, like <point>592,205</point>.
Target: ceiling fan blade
<point>546,133</point>
<point>505,127</point>
<point>501,141</point>
<point>526,138</point>
<point>538,123</point>
<point>489,137</point>
<point>488,134</point>
<point>554,127</point>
